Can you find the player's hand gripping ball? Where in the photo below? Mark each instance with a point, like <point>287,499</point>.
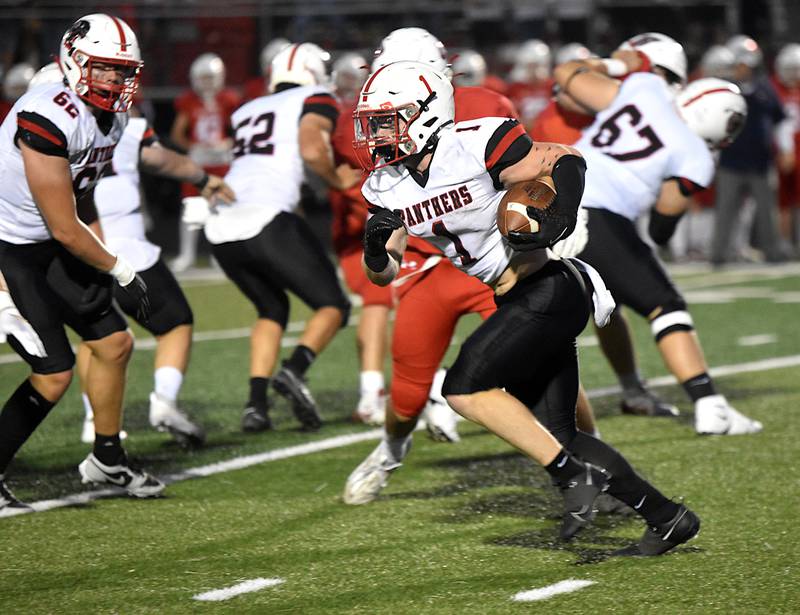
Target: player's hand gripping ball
<point>516,212</point>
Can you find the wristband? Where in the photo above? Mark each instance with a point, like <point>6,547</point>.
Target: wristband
<point>376,263</point>
<point>200,185</point>
<point>123,271</point>
<point>614,67</point>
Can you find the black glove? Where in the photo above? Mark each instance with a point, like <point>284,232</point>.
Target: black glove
<point>377,232</point>
<point>558,220</point>
<point>137,290</point>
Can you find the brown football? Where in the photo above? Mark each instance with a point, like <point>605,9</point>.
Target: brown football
<point>512,211</point>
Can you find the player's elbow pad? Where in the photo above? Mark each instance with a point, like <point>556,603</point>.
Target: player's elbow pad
<point>661,227</point>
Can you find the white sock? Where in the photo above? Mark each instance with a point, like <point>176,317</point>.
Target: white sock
<point>371,382</point>
<point>396,448</point>
<point>87,407</point>
<point>168,382</point>
<point>436,387</point>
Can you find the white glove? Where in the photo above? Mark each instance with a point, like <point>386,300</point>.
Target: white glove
<point>12,323</point>
<point>196,212</point>
<point>576,242</point>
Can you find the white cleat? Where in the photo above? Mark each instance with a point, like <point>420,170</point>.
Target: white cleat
<point>133,480</point>
<point>371,409</point>
<point>87,432</point>
<point>713,415</point>
<point>370,477</point>
<point>440,421</point>
<point>165,416</point>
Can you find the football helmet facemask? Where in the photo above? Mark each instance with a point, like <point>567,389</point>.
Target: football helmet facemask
<point>401,110</point>
<point>100,41</point>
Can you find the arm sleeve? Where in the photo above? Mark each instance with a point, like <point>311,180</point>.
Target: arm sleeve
<point>149,137</point>
<point>39,133</point>
<point>506,146</point>
<point>323,104</point>
<point>687,186</point>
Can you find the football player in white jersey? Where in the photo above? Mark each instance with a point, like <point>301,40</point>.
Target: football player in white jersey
<point>54,144</point>
<point>433,179</point>
<point>646,149</point>
<point>263,245</point>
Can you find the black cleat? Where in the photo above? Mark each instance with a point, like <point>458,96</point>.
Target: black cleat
<point>579,494</point>
<point>255,420</point>
<point>658,539</point>
<point>10,502</point>
<point>643,402</point>
<point>293,387</point>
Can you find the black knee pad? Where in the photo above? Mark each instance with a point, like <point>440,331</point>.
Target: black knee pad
<point>674,316</point>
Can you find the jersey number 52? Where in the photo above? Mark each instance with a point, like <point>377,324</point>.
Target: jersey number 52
<point>252,135</point>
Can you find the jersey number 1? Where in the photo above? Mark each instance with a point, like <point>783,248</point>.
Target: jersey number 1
<point>440,229</point>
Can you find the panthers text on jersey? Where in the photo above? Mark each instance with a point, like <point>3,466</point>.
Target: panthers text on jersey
<point>454,203</point>
<point>118,199</point>
<point>267,169</point>
<point>636,144</point>
<point>53,120</point>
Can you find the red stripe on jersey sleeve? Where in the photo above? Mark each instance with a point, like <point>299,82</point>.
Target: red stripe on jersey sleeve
<point>512,135</point>
<point>38,130</point>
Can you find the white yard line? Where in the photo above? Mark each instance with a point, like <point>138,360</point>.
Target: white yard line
<point>237,463</point>
<point>757,340</point>
<point>245,587</point>
<point>543,593</point>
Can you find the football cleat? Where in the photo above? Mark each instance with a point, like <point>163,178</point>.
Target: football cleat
<point>10,502</point>
<point>713,415</point>
<point>607,504</point>
<point>440,421</point>
<point>579,494</point>
<point>658,539</point>
<point>293,387</point>
<point>371,409</point>
<point>643,402</point>
<point>165,416</point>
<point>255,420</point>
<point>370,477</point>
<point>124,475</point>
<point>87,432</point>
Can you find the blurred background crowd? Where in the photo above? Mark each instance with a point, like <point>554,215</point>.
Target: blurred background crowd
<point>203,58</point>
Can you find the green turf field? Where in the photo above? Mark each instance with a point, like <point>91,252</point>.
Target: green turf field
<point>460,529</point>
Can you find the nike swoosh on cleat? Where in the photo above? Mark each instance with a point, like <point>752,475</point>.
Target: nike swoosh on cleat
<point>563,462</point>
<point>638,506</point>
<point>119,478</point>
<point>579,515</point>
<point>674,525</point>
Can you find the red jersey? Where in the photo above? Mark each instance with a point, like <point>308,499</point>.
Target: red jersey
<point>254,88</point>
<point>496,84</point>
<point>208,123</point>
<point>530,100</point>
<point>789,184</point>
<point>558,125</point>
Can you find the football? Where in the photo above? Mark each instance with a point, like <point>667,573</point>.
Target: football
<point>512,212</point>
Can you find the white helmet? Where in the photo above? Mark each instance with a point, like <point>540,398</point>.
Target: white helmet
<point>745,50</point>
<point>469,68</point>
<point>533,62</point>
<point>572,51</point>
<point>413,45</point>
<point>207,74</point>
<point>47,74</point>
<point>349,73</point>
<point>787,64</point>
<point>662,51</point>
<point>401,109</point>
<point>269,52</point>
<point>714,109</point>
<point>301,64</point>
<point>101,39</point>
<point>17,79</point>
<point>718,61</point>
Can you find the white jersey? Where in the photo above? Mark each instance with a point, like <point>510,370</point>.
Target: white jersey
<point>267,169</point>
<point>118,200</point>
<point>456,209</point>
<point>64,126</point>
<point>636,144</point>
